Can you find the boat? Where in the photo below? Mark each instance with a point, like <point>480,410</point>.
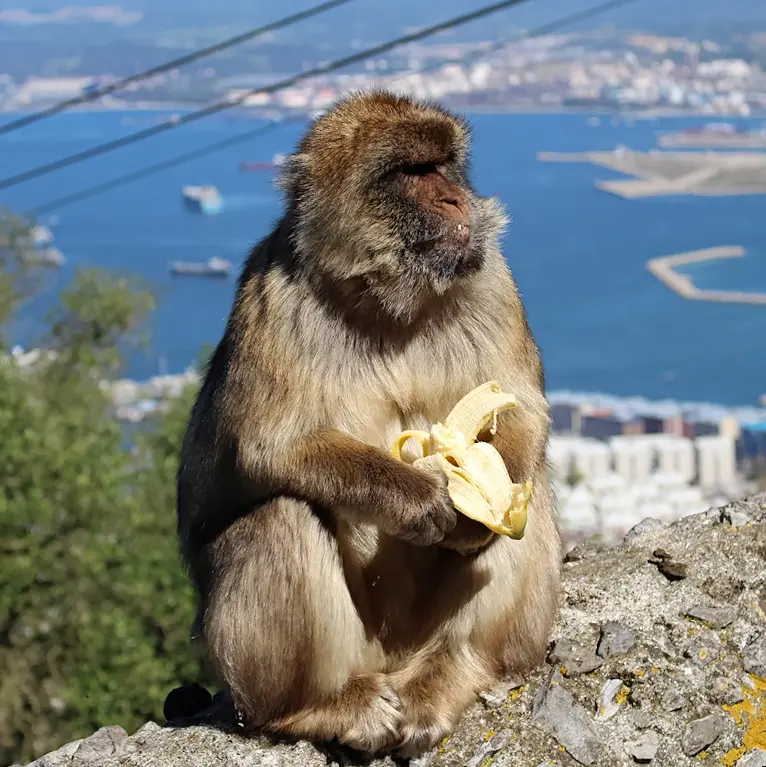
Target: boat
<point>276,161</point>
<point>213,267</point>
<point>203,199</point>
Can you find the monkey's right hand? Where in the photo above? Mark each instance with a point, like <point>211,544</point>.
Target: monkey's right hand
<point>425,512</point>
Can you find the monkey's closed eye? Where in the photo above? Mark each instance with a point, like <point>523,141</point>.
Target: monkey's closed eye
<point>419,168</point>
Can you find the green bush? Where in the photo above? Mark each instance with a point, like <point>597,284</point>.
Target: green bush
<point>95,609</point>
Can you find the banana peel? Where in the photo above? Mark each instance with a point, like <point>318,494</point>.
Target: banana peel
<point>477,479</point>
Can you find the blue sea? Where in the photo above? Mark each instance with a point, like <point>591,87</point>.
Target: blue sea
<point>604,323</point>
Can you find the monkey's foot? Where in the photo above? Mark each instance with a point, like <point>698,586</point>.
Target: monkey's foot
<point>372,712</point>
<point>365,716</point>
<point>423,732</point>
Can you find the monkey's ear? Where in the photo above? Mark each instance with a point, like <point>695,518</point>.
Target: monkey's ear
<point>294,171</point>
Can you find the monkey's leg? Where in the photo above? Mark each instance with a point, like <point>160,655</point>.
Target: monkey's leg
<point>286,637</point>
<point>497,610</point>
<point>435,686</point>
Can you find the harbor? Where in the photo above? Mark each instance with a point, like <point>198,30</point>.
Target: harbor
<point>656,173</point>
<point>663,269</point>
<point>716,136</point>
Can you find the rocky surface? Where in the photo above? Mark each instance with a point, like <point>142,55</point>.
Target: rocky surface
<point>658,657</point>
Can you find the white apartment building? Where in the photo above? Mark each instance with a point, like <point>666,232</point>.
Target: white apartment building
<point>716,461</point>
<point>589,457</point>
<point>633,477</point>
<point>633,457</point>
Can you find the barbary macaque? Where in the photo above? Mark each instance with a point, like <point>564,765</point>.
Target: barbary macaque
<point>341,596</point>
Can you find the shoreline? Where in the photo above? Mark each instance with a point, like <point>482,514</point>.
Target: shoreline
<point>657,173</point>
<point>521,109</point>
<point>662,269</point>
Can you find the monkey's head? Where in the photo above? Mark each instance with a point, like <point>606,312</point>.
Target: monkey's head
<point>381,197</point>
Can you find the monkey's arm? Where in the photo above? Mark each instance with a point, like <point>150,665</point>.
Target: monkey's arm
<point>331,469</point>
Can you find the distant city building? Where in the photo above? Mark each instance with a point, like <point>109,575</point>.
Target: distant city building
<point>716,464</point>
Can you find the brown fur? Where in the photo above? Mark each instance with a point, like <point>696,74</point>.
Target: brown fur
<point>331,599</point>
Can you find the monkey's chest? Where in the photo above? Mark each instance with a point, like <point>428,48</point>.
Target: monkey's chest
<point>410,392</point>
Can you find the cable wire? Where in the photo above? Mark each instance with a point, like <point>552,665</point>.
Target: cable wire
<point>263,129</point>
<point>109,146</point>
<point>188,58</point>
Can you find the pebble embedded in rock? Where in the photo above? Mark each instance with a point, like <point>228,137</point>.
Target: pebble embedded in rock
<point>644,749</point>
<point>643,720</point>
<point>615,639</point>
<point>704,649</point>
<point>672,700</point>
<point>607,705</point>
<point>715,617</point>
<point>727,691</point>
<point>574,657</point>
<point>754,758</point>
<point>701,733</point>
<point>492,746</point>
<point>104,742</point>
<point>733,517</point>
<point>648,525</point>
<point>672,570</point>
<point>555,711</point>
<point>754,661</point>
<point>495,697</point>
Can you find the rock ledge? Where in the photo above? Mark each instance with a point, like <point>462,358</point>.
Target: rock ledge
<point>658,657</point>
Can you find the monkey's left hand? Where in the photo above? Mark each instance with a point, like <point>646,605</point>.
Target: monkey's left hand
<point>467,537</point>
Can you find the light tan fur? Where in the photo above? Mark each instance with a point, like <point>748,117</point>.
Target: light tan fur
<point>336,595</point>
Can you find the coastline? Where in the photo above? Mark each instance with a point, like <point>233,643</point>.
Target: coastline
<point>662,269</point>
<point>593,110</point>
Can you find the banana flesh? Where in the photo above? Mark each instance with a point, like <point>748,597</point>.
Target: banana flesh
<point>478,480</point>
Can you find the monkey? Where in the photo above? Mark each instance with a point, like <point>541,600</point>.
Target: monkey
<point>341,597</point>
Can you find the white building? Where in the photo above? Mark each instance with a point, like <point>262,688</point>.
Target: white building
<point>716,461</point>
<point>674,455</point>
<point>633,457</point>
<point>590,458</point>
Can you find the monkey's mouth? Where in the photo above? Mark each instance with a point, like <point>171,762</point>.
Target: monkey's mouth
<point>454,237</point>
<point>445,255</point>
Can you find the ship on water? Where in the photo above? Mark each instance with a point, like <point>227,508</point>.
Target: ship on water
<point>276,162</point>
<point>213,267</point>
<point>203,199</point>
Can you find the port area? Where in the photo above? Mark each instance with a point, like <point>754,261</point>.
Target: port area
<point>663,269</point>
<point>714,140</point>
<point>657,174</point>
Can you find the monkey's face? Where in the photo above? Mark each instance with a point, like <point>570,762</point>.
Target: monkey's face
<point>430,213</point>
<point>382,199</point>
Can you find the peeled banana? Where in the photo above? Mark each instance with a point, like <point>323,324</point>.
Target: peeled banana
<point>478,480</point>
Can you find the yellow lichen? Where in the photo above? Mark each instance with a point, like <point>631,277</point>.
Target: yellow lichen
<point>751,714</point>
<point>639,672</point>
<point>443,744</point>
<point>489,734</point>
<point>730,758</point>
<point>516,694</point>
<point>691,632</point>
<point>564,670</point>
<point>702,653</point>
<point>622,695</point>
<point>655,670</point>
<point>702,756</point>
<point>486,761</point>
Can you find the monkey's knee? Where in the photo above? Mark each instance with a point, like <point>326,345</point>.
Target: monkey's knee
<point>280,624</point>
